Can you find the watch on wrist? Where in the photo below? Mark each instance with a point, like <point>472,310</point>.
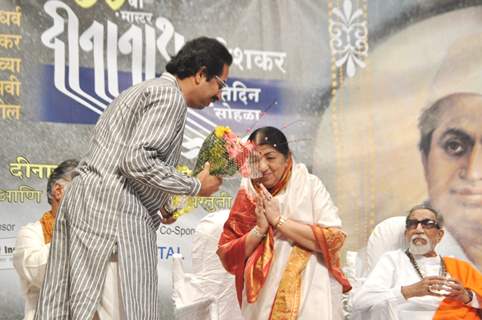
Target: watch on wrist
<point>167,212</point>
<point>470,294</point>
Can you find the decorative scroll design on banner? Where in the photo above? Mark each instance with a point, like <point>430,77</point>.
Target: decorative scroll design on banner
<point>23,168</point>
<point>348,37</point>
<point>349,46</point>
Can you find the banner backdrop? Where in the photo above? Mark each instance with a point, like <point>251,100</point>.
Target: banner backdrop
<point>346,80</point>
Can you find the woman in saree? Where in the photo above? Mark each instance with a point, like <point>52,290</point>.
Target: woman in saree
<point>282,239</point>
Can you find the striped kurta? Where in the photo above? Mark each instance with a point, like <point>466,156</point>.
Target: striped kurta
<point>113,205</point>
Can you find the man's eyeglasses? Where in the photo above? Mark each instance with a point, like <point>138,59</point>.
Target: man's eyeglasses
<point>426,224</point>
<point>221,83</point>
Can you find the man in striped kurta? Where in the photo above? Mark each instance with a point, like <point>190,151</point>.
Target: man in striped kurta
<point>111,210</point>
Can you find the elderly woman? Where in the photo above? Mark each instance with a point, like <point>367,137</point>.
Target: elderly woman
<point>282,239</point>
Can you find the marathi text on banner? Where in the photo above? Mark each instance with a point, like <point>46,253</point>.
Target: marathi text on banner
<point>20,195</point>
<point>11,17</point>
<point>23,168</point>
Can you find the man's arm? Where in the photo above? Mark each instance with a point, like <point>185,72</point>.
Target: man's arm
<point>379,287</point>
<point>153,136</point>
<point>30,256</point>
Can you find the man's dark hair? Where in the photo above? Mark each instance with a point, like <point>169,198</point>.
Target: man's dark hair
<point>200,53</point>
<point>429,120</point>
<point>438,217</point>
<point>65,172</point>
<point>427,123</point>
<point>271,136</point>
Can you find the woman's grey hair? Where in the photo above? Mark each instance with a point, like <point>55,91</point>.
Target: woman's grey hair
<point>64,173</point>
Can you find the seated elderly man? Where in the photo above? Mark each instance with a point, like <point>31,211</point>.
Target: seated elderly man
<point>33,240</point>
<point>33,247</point>
<point>418,283</point>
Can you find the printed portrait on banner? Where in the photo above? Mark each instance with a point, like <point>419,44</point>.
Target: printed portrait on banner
<point>406,129</point>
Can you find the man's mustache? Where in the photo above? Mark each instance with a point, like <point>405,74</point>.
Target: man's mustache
<point>419,236</point>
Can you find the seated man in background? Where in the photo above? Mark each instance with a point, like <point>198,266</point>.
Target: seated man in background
<point>33,240</point>
<point>33,244</point>
<point>418,283</point>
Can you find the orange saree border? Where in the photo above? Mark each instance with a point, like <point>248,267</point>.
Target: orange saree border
<point>330,241</point>
<point>286,304</point>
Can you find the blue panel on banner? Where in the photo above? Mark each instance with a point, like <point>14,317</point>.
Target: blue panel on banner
<point>245,101</point>
<point>74,106</point>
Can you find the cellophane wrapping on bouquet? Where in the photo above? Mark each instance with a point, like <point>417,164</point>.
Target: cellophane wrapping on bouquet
<point>226,154</point>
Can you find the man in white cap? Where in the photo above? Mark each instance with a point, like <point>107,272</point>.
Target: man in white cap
<point>451,146</point>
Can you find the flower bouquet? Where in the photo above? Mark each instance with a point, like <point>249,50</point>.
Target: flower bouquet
<point>226,154</point>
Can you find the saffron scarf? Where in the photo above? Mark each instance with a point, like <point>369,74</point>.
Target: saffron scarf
<point>471,279</point>
<point>47,221</point>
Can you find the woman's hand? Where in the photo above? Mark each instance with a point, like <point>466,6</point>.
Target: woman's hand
<point>271,206</point>
<point>261,220</point>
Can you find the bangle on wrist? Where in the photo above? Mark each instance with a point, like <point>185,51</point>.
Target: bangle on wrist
<point>281,221</point>
<point>258,233</point>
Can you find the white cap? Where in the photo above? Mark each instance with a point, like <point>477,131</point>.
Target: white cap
<point>460,70</point>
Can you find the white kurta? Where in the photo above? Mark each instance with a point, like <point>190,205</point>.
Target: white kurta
<point>30,259</point>
<point>380,296</point>
<point>305,200</point>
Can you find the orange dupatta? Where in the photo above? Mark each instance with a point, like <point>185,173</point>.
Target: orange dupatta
<point>47,221</point>
<point>470,278</point>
